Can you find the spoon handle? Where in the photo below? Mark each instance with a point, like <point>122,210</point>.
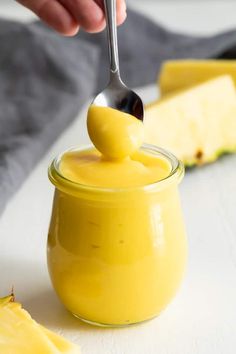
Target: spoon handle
<point>110,13</point>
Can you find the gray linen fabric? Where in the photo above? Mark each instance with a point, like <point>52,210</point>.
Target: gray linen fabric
<point>46,78</point>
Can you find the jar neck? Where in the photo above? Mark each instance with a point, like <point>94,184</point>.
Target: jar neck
<point>70,187</point>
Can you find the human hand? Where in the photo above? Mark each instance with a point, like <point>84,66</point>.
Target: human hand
<point>67,16</point>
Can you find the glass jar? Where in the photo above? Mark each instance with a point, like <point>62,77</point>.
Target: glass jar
<point>117,256</point>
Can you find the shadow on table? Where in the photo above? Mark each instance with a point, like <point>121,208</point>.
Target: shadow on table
<point>33,289</point>
<point>47,310</point>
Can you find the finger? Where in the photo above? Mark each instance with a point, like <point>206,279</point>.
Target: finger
<point>120,10</point>
<point>54,14</point>
<point>87,13</point>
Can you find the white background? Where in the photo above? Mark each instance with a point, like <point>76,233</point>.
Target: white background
<point>202,317</point>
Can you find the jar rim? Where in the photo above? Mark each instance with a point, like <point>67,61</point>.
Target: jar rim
<point>60,181</point>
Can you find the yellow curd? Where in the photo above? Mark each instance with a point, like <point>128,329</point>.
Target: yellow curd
<point>116,244</point>
<point>91,168</point>
<point>115,134</point>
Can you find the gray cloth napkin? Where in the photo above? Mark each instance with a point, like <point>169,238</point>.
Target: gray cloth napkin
<point>46,78</point>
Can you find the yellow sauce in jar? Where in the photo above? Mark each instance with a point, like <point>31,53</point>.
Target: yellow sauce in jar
<point>117,246</point>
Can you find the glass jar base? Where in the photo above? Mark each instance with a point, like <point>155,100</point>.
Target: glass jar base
<point>112,325</point>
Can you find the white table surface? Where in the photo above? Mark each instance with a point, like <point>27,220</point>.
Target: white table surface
<point>202,317</point>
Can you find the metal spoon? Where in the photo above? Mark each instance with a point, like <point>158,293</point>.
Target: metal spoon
<point>117,95</point>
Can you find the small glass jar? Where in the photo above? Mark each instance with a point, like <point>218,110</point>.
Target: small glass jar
<point>116,256</point>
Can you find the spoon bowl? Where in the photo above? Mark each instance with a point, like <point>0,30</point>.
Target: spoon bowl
<point>120,97</point>
<point>117,95</point>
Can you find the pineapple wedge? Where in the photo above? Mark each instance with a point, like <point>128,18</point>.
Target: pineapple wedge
<point>180,74</point>
<point>20,334</point>
<point>197,124</point>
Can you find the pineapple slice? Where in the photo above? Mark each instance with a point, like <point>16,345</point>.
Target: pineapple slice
<point>20,334</point>
<point>180,74</point>
<point>197,124</point>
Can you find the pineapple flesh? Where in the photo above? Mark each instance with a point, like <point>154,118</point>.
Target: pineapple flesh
<point>20,334</point>
<point>197,124</point>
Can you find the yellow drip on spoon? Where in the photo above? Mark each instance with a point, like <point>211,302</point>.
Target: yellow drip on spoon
<point>114,133</point>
